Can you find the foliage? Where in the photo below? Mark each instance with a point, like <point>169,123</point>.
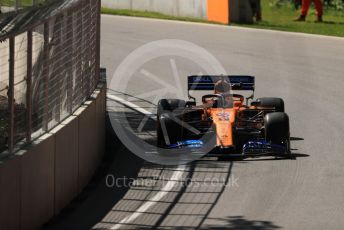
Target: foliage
<point>19,120</point>
<point>337,4</point>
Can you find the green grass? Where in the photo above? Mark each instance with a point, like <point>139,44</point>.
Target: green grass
<point>281,18</point>
<point>274,17</point>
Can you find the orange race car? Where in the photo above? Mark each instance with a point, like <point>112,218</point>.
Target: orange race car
<point>227,123</point>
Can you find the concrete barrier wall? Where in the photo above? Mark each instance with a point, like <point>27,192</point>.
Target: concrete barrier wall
<point>38,182</point>
<point>10,199</point>
<point>184,8</point>
<point>66,162</point>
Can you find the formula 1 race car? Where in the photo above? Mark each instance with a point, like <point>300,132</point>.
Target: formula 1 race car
<point>240,128</point>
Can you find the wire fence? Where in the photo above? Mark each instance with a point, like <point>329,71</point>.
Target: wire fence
<point>48,68</point>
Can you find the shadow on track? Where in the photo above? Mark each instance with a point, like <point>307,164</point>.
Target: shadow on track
<point>231,223</point>
<point>240,223</point>
<point>186,206</point>
<point>294,156</point>
<point>296,139</point>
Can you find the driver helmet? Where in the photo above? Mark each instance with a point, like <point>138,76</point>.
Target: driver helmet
<point>222,86</point>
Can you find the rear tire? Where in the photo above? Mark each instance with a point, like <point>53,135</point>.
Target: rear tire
<point>275,102</point>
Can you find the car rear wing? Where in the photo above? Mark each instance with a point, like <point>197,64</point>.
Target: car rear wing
<point>207,82</point>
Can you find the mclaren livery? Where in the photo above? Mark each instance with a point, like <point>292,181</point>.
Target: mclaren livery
<point>240,126</point>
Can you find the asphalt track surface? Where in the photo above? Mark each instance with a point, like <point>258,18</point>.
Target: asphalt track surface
<point>264,193</point>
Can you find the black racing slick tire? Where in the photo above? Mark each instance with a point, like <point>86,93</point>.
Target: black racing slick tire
<point>275,102</point>
<point>170,105</point>
<point>277,128</point>
<point>168,130</point>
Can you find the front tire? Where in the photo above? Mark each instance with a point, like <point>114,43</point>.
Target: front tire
<point>170,105</point>
<point>166,109</point>
<point>277,129</point>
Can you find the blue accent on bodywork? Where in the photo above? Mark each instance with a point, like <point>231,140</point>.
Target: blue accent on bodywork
<point>187,144</point>
<point>263,147</point>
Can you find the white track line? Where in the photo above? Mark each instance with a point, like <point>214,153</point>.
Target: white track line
<point>148,204</point>
<point>176,176</point>
<point>131,105</point>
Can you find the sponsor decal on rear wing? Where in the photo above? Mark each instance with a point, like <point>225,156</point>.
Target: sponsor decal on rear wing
<point>207,82</point>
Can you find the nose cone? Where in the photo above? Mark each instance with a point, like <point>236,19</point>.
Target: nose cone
<point>223,120</point>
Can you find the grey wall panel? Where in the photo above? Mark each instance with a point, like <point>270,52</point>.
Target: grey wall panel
<point>10,193</point>
<point>87,144</point>
<point>183,8</point>
<point>66,162</point>
<point>37,183</point>
<point>100,123</point>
